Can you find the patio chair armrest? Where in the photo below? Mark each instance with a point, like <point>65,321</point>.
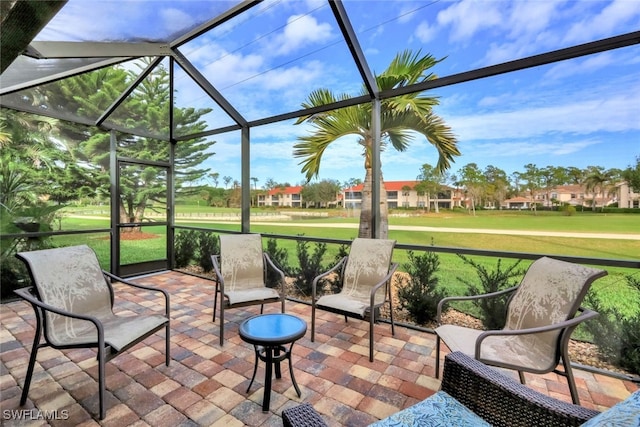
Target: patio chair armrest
<point>269,264</point>
<point>502,401</point>
<point>27,295</point>
<point>273,266</point>
<point>326,273</point>
<point>446,300</point>
<point>215,260</point>
<point>139,286</point>
<point>385,279</point>
<point>585,314</point>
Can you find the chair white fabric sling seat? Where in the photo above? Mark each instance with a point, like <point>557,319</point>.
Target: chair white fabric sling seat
<point>241,271</point>
<point>366,275</point>
<point>542,313</point>
<point>73,301</point>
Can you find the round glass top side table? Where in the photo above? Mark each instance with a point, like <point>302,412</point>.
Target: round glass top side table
<point>269,334</point>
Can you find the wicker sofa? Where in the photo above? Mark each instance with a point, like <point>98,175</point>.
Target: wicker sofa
<point>474,394</point>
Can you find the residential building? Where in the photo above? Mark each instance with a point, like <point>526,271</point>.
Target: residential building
<point>626,197</point>
<point>403,194</point>
<point>576,195</point>
<point>282,196</point>
<point>518,202</point>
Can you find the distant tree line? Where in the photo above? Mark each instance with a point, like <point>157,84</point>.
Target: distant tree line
<point>490,185</point>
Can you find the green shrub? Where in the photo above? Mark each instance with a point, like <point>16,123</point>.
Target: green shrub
<point>185,244</point>
<point>611,209</point>
<point>280,258</point>
<point>310,266</point>
<point>568,210</point>
<point>208,244</point>
<point>334,282</point>
<point>14,275</point>
<point>420,294</point>
<point>493,310</point>
<point>37,218</point>
<point>617,336</point>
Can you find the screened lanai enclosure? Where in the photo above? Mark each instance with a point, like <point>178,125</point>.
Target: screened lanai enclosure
<point>144,101</point>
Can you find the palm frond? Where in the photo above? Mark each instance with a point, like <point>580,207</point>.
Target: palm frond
<point>401,117</point>
<point>318,98</point>
<point>397,127</point>
<point>443,139</point>
<point>407,68</point>
<point>327,129</point>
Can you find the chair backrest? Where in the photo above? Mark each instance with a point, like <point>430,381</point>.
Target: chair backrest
<point>241,261</point>
<point>71,279</point>
<point>369,261</point>
<point>550,292</point>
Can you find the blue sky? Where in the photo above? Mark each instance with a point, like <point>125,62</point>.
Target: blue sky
<point>578,113</point>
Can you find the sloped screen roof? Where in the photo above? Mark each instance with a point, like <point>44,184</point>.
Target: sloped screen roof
<point>255,62</point>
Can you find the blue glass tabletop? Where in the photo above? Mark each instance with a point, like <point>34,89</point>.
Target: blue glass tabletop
<point>275,329</point>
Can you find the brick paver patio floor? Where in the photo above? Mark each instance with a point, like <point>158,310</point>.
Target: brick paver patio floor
<point>205,385</point>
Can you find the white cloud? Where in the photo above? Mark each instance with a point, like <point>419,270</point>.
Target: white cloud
<point>468,17</point>
<point>287,78</point>
<point>590,64</point>
<point>495,100</point>
<point>300,31</point>
<point>425,32</point>
<point>615,114</point>
<point>528,18</point>
<point>616,14</point>
<point>231,68</point>
<point>527,29</point>
<point>501,52</point>
<point>76,22</point>
<point>406,14</point>
<point>175,20</point>
<point>522,149</point>
<point>280,131</point>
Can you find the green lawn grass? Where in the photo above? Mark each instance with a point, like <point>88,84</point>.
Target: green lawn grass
<point>526,220</point>
<point>612,288</point>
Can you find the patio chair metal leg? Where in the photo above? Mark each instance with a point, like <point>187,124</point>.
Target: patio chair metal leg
<point>101,380</point>
<point>371,321</point>
<point>221,323</point>
<point>437,356</point>
<point>521,375</point>
<point>393,329</point>
<point>313,322</point>
<point>568,372</point>
<point>32,360</point>
<point>215,300</point>
<point>167,350</point>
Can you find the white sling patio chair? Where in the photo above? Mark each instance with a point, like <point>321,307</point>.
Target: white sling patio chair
<point>541,315</point>
<point>366,274</point>
<point>241,275</point>
<point>73,301</point>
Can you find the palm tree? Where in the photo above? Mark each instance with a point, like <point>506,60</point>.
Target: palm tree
<point>401,117</point>
<point>597,181</point>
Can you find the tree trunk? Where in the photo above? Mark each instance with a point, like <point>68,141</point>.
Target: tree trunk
<point>126,217</point>
<point>366,212</point>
